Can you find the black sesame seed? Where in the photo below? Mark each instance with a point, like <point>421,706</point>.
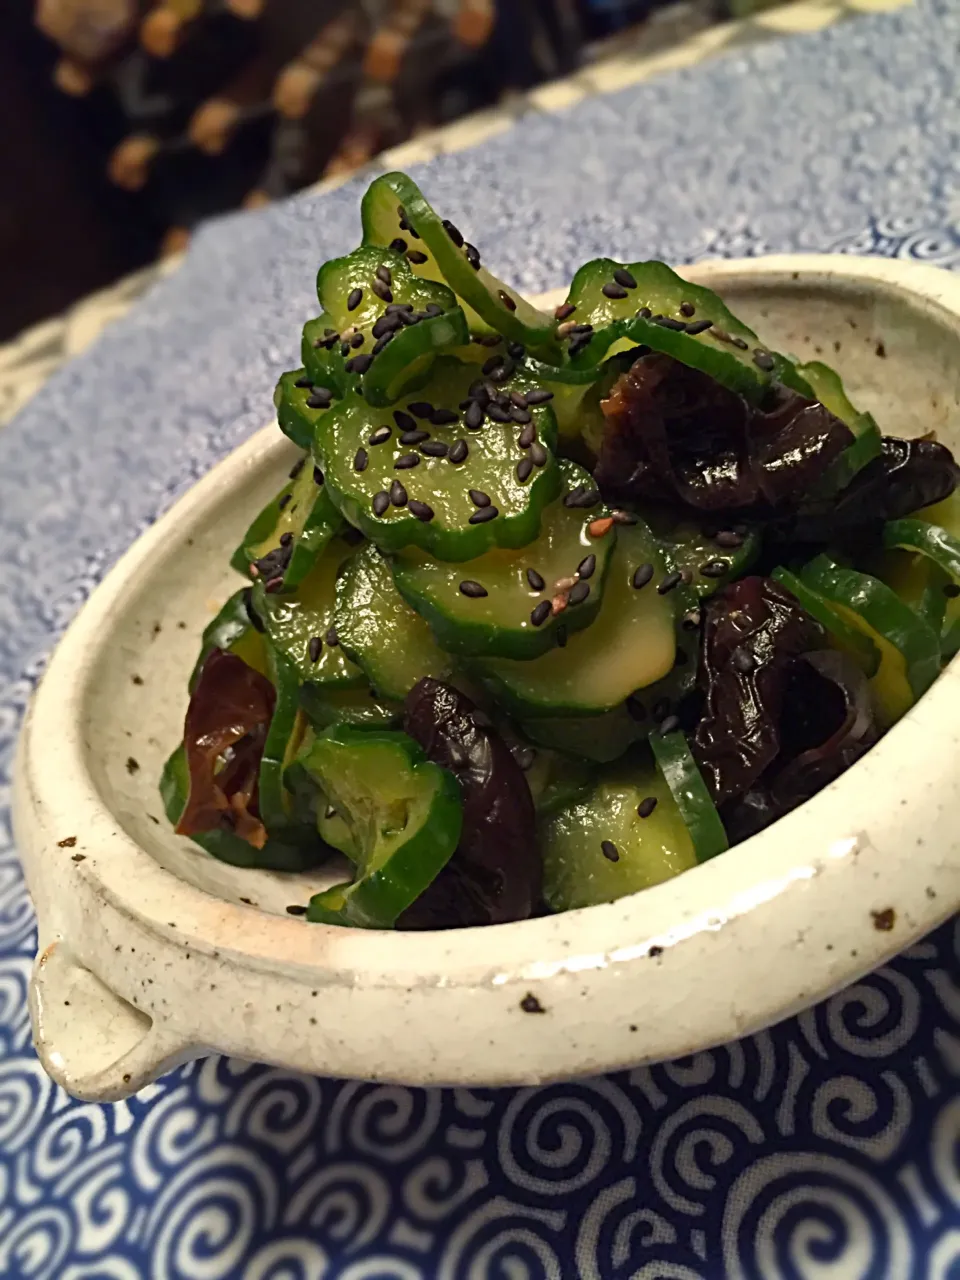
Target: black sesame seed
<point>420,408</point>
<point>609,851</point>
<point>541,613</point>
<point>614,291</point>
<point>483,515</point>
<point>319,399</point>
<point>565,310</point>
<point>474,590</point>
<point>354,300</point>
<point>519,399</point>
<point>579,329</point>
<point>527,436</point>
<point>286,539</point>
<point>474,416</point>
<point>472,255</point>
<point>357,340</point>
<point>670,581</point>
<point>578,593</point>
<point>416,257</point>
<point>380,343</point>
<point>303,382</point>
<point>416,436</point>
<point>644,313</point>
<point>951,591</point>
<point>479,498</point>
<point>668,322</point>
<point>728,538</point>
<point>453,233</point>
<point>670,725</point>
<point>386,324</point>
<point>572,498</point>
<point>383,273</point>
<point>581,497</point>
<point>507,301</point>
<point>458,452</point>
<point>520,416</point>
<point>740,344</point>
<point>382,291</point>
<point>435,449</point>
<point>314,648</point>
<point>524,468</point>
<point>284,500</point>
<point>380,435</point>
<point>397,308</point>
<point>646,807</point>
<point>381,501</point>
<point>517,350</point>
<point>743,661</point>
<point>715,568</point>
<point>687,309</point>
<point>498,414</point>
<point>764,360</point>
<point>360,460</point>
<point>625,278</point>
<point>317,476</point>
<point>420,509</point>
<point>406,461</point>
<point>297,468</point>
<point>361,364</point>
<point>699,326</point>
<point>539,395</point>
<point>488,366</point>
<point>444,417</point>
<point>398,494</point>
<point>536,582</point>
<point>538,454</point>
<point>399,245</point>
<point>587,566</point>
<point>331,638</point>
<point>404,421</point>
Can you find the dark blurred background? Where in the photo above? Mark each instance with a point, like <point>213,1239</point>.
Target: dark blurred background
<point>126,122</point>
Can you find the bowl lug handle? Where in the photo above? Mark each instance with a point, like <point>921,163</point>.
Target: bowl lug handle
<point>95,1044</point>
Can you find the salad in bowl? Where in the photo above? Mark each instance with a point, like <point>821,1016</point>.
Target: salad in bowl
<point>554,606</point>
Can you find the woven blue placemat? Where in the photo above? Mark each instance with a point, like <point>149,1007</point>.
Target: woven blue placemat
<point>827,1147</point>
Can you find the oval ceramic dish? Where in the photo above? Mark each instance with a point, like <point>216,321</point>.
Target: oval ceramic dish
<point>151,952</point>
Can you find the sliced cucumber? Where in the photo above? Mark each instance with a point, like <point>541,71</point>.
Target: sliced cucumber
<point>844,635</point>
<point>385,637</point>
<point>298,420</point>
<point>435,509</point>
<point>909,648</point>
<point>600,738</point>
<point>291,531</point>
<point>630,645</point>
<point>404,815</point>
<point>493,606</point>
<point>599,849</point>
<point>828,389</point>
<point>389,350</point>
<point>358,705</point>
<point>946,514</point>
<point>293,622</point>
<point>686,547</point>
<point>679,770</point>
<point>321,357</point>
<point>284,738</point>
<point>233,631</point>
<point>726,350</point>
<point>395,209</point>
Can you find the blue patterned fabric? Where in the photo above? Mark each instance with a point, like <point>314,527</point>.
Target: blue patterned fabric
<point>827,1147</point>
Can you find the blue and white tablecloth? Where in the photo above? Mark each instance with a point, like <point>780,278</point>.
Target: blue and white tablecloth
<point>827,1147</point>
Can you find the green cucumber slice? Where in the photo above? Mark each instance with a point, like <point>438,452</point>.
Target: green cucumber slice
<point>387,639</point>
<point>233,632</point>
<point>394,209</point>
<point>600,738</point>
<point>909,648</point>
<point>276,854</point>
<point>927,540</point>
<point>303,510</point>
<point>599,849</point>
<point>284,739</point>
<point>404,816</point>
<point>324,706</point>
<point>679,770</point>
<point>844,635</point>
<point>827,387</point>
<point>320,355</point>
<point>501,622</point>
<point>387,358</point>
<point>631,644</point>
<point>443,520</point>
<point>292,619</point>
<point>727,350</point>
<point>686,547</point>
<point>297,420</point>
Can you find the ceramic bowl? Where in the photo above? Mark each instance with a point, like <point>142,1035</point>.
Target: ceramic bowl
<point>151,952</point>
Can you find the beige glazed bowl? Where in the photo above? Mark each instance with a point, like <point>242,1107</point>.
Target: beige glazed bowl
<point>151,952</point>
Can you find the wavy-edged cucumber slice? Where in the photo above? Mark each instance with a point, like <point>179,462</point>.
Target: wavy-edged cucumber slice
<point>909,648</point>
<point>844,635</point>
<point>359,705</point>
<point>291,530</point>
<point>630,645</point>
<point>390,483</point>
<point>679,770</point>
<point>276,854</point>
<point>232,630</point>
<point>494,606</point>
<point>599,848</point>
<point>284,739</point>
<point>383,347</point>
<point>404,816</point>
<point>321,357</point>
<point>827,387</point>
<point>648,303</point>
<point>688,548</point>
<point>387,639</point>
<point>394,209</point>
<point>300,624</point>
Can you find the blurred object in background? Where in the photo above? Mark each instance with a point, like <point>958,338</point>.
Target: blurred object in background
<point>137,119</point>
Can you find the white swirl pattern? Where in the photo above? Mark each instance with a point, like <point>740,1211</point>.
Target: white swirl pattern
<point>828,1146</point>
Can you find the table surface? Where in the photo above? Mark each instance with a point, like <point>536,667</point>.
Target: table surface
<point>827,1146</point>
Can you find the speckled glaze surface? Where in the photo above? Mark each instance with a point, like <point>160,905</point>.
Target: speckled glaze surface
<point>200,954</point>
<point>826,1145</point>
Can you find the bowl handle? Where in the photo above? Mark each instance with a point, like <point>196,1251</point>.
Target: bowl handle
<point>94,1043</point>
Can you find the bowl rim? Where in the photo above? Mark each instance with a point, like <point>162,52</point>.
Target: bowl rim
<point>835,865</point>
